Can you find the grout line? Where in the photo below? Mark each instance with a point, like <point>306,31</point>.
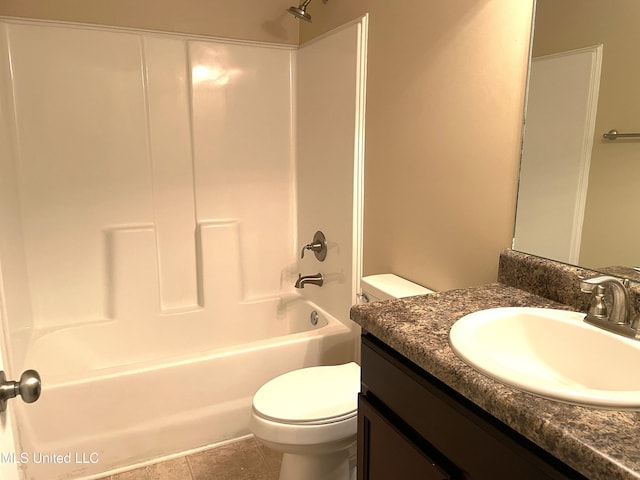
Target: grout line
<point>189,466</point>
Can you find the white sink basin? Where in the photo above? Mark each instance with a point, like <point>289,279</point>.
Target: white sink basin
<point>552,353</point>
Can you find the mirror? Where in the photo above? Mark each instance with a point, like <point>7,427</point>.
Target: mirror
<point>577,199</point>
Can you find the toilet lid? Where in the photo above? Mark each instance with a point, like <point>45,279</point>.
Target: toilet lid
<point>310,394</point>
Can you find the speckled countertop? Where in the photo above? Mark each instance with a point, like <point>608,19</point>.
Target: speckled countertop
<point>600,444</point>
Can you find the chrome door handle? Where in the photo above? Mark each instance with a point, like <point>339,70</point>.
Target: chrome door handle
<point>29,388</point>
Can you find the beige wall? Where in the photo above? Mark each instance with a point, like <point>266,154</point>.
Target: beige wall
<point>608,237</point>
<point>259,20</point>
<point>444,112</point>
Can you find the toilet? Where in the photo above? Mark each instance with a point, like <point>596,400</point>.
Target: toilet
<point>310,414</point>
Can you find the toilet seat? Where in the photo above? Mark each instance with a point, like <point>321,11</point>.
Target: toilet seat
<point>324,421</point>
<point>310,396</point>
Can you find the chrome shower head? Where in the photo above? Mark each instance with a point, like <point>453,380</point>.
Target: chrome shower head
<point>301,11</point>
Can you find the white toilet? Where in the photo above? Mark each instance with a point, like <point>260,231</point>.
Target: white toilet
<point>310,415</point>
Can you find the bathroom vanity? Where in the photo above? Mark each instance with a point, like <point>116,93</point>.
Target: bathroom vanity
<point>424,413</point>
<point>412,423</point>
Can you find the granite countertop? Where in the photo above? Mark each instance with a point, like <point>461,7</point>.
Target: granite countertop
<point>600,444</point>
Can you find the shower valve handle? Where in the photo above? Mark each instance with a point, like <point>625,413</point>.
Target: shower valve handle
<point>29,388</point>
<point>318,246</point>
<point>314,247</point>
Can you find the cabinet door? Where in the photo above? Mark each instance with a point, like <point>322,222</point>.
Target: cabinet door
<point>384,453</point>
<point>468,441</point>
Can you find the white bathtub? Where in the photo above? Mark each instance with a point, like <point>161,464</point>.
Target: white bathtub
<point>141,397</point>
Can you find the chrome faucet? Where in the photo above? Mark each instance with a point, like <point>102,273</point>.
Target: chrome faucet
<point>621,318</point>
<point>316,279</point>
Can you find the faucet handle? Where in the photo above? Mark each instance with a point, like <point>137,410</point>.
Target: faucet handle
<point>598,308</point>
<point>314,247</point>
<point>318,246</point>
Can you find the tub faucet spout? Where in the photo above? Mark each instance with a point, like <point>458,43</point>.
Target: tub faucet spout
<point>312,279</point>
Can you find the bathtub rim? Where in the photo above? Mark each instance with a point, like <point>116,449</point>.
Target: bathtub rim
<point>332,326</point>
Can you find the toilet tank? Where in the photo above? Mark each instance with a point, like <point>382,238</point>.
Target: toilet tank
<point>386,286</point>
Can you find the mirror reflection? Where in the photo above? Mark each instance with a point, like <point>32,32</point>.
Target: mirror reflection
<point>577,195</point>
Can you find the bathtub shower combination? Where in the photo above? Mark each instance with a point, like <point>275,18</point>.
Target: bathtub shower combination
<point>160,188</point>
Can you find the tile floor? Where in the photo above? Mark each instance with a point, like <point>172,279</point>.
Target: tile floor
<point>242,460</point>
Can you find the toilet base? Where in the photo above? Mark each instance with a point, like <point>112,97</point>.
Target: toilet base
<point>332,466</point>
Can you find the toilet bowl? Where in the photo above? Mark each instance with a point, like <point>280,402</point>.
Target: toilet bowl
<point>310,415</point>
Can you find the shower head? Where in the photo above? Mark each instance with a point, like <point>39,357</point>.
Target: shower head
<point>301,10</point>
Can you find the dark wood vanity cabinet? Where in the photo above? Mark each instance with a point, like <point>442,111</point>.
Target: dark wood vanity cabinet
<point>412,426</point>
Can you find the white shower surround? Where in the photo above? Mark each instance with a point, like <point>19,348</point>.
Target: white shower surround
<point>150,188</point>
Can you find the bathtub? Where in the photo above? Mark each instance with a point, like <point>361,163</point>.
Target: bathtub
<point>149,395</point>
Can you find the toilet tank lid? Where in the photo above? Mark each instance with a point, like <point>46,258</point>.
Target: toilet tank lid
<point>310,394</point>
<point>388,285</point>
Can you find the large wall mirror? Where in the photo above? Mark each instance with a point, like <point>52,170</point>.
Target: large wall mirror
<point>579,192</point>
